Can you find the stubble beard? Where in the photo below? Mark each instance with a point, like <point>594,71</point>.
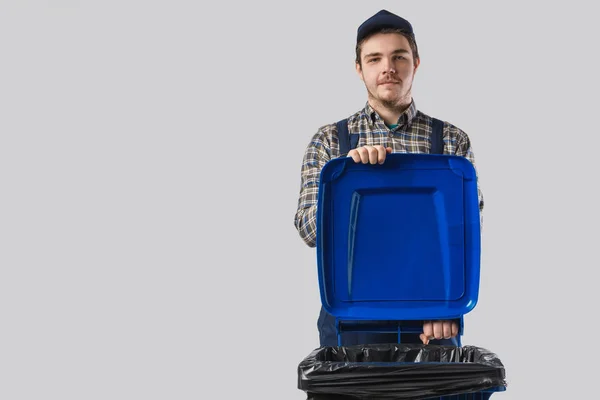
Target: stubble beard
<point>397,105</point>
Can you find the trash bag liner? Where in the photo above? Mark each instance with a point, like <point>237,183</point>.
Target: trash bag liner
<point>398,371</point>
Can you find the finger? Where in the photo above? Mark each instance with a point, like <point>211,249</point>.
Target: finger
<point>389,150</point>
<point>355,156</point>
<point>373,155</point>
<point>447,329</point>
<point>424,338</point>
<point>428,329</point>
<point>437,330</point>
<point>454,329</point>
<point>381,153</point>
<point>364,155</point>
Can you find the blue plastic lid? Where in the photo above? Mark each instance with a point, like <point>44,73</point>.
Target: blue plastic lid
<point>398,241</point>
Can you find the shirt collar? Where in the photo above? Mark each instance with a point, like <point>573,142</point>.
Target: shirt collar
<point>405,118</point>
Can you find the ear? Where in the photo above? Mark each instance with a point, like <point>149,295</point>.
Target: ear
<point>417,63</point>
<point>359,71</point>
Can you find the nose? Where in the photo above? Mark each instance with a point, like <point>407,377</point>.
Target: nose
<point>388,67</point>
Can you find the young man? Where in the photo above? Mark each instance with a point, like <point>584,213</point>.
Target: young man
<point>387,60</point>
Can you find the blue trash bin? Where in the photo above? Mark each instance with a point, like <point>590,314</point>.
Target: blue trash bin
<point>397,244</point>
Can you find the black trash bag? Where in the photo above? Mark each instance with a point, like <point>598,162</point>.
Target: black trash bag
<point>398,371</point>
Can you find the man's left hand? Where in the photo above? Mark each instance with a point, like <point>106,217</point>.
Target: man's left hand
<point>438,330</point>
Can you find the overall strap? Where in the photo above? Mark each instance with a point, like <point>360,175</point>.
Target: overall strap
<point>347,141</point>
<point>437,137</point>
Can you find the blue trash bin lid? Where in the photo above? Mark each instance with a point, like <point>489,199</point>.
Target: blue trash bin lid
<point>398,241</point>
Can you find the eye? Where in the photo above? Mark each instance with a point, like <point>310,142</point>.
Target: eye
<point>372,60</point>
<point>401,57</point>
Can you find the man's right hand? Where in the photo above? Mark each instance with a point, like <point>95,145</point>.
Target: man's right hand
<point>370,154</point>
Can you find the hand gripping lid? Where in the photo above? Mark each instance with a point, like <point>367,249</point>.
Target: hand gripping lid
<point>398,241</point>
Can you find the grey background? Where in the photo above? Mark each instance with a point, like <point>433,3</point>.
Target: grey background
<point>150,160</point>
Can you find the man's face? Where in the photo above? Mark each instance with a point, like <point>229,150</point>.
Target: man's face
<point>387,69</point>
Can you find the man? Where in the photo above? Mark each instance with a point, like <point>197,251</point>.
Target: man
<point>387,60</point>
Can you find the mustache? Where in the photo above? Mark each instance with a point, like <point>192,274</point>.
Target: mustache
<point>388,80</point>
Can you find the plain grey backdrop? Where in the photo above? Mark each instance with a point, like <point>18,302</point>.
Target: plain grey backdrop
<point>150,160</point>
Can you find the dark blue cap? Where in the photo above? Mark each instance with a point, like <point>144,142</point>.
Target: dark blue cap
<point>383,19</point>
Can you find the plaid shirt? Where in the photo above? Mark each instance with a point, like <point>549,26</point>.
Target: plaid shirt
<point>410,136</point>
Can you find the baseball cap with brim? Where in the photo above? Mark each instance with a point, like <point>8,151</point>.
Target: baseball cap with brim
<point>383,19</point>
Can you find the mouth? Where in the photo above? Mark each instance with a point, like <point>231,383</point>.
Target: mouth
<point>389,83</point>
